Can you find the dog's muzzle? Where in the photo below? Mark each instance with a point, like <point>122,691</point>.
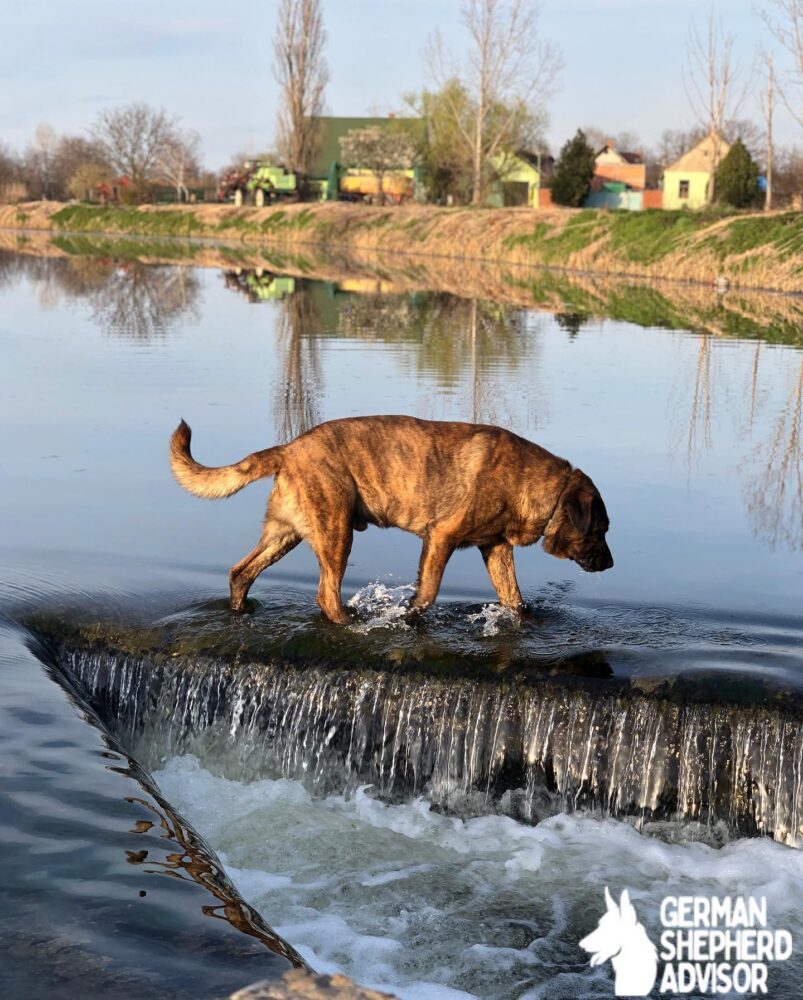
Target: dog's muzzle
<point>596,562</point>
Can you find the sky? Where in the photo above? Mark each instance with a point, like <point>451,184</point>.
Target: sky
<point>208,62</point>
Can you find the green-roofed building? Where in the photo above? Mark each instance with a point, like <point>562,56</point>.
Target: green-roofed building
<point>327,168</point>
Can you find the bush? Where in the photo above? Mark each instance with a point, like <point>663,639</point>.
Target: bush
<point>736,181</point>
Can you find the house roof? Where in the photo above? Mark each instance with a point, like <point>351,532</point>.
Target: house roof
<point>610,147</point>
<point>700,158</point>
<point>333,130</point>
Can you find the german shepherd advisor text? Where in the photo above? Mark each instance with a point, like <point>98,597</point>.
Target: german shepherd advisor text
<point>452,484</point>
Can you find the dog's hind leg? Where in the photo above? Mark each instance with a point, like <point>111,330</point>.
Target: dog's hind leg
<point>278,538</point>
<point>502,571</point>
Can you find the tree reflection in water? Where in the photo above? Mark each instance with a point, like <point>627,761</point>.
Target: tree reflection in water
<point>127,298</point>
<point>299,384</point>
<point>773,485</point>
<point>775,494</point>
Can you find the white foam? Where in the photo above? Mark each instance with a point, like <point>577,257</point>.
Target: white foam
<point>492,617</point>
<point>381,606</point>
<point>430,906</point>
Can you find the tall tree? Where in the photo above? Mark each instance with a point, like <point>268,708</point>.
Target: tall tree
<point>784,18</point>
<point>768,111</point>
<point>302,74</point>
<point>449,114</point>
<point>132,139</point>
<point>509,65</point>
<point>39,161</point>
<point>711,79</point>
<point>573,172</point>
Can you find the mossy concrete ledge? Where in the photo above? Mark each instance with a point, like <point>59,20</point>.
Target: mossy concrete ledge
<point>751,250</point>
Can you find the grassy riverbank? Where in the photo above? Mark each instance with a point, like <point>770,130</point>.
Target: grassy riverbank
<point>753,251</point>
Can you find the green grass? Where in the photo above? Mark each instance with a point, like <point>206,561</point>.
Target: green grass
<point>646,237</point>
<point>784,233</point>
<point>121,219</point>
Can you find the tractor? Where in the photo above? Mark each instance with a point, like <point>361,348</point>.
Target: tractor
<point>267,183</point>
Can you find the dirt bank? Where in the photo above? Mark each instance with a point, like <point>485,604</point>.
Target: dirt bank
<point>761,250</point>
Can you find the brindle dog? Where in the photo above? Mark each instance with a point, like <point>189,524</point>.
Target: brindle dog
<point>452,484</point>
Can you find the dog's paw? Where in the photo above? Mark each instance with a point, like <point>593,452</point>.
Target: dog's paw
<point>247,607</point>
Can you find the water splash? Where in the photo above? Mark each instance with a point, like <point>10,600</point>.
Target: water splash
<point>381,606</point>
<point>495,617</point>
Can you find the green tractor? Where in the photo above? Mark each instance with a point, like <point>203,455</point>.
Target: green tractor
<point>265,181</point>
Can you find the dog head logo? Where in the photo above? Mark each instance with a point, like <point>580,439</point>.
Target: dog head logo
<point>622,939</point>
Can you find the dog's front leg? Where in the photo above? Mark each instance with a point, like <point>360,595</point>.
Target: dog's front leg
<point>434,556</point>
<point>502,571</point>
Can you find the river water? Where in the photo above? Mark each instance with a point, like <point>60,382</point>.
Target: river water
<point>193,801</point>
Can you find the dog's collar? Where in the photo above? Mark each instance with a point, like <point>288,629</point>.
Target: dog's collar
<point>558,500</point>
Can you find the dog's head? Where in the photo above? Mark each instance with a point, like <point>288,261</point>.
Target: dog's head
<point>577,528</point>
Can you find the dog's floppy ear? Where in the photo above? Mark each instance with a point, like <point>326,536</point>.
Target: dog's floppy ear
<point>578,508</point>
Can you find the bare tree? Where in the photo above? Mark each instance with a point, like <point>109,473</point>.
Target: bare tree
<point>768,111</point>
<point>302,74</point>
<point>784,18</point>
<point>133,139</point>
<point>711,82</point>
<point>39,161</point>
<point>509,64</point>
<point>179,160</point>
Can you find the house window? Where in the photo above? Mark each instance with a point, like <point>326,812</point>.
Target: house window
<point>683,189</point>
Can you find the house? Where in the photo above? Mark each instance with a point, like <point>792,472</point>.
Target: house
<point>327,173</point>
<point>686,180</point>
<point>620,167</point>
<point>517,182</point>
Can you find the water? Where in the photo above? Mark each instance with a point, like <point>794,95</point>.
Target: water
<point>422,804</point>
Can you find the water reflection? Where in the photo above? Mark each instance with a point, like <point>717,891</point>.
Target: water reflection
<point>197,864</point>
<point>299,384</point>
<point>775,493</point>
<point>469,345</point>
<point>127,298</point>
<point>475,357</point>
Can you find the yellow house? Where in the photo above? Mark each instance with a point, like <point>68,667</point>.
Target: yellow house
<point>686,180</point>
<point>518,180</point>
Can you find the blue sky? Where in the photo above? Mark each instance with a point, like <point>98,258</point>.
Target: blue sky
<point>209,62</point>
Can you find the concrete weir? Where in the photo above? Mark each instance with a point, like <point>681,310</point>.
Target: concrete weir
<point>526,744</point>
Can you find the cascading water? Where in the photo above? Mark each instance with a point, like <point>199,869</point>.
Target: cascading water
<point>529,749</point>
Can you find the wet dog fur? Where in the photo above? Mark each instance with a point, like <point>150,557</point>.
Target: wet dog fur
<point>453,484</point>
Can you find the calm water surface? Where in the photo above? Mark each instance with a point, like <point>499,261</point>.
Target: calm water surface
<point>694,441</point>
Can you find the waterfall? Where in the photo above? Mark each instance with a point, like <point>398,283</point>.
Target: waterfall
<point>528,747</point>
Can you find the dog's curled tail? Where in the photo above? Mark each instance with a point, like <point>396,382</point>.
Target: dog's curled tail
<point>215,483</point>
